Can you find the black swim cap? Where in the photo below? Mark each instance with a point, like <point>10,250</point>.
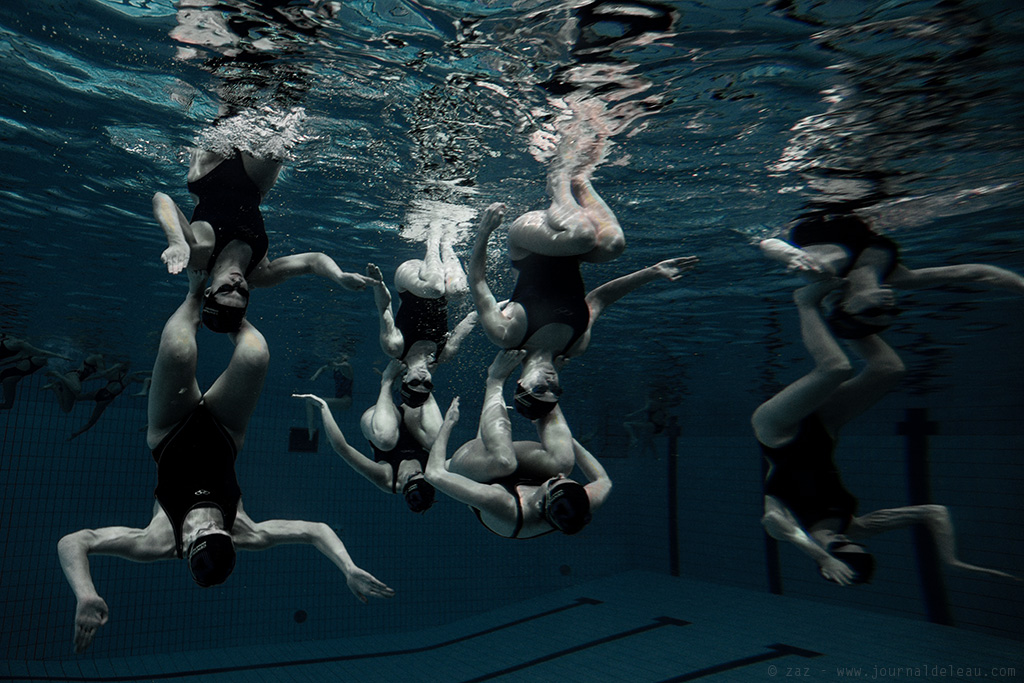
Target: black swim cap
<point>211,559</point>
<point>567,507</point>
<point>861,562</point>
<point>419,494</point>
<point>529,406</point>
<point>221,318</point>
<point>413,398</point>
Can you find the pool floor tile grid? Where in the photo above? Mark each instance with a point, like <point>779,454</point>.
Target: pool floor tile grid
<point>636,627</point>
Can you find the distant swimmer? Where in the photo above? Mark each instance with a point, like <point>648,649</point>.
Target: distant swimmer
<point>343,376</point>
<point>830,243</point>
<point>516,489</point>
<point>805,501</point>
<point>18,360</point>
<point>195,438</point>
<point>226,236</point>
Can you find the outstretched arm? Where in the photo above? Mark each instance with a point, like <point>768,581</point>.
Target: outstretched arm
<point>600,485</point>
<point>781,525</point>
<point>497,326</point>
<point>272,273</point>
<point>378,473</point>
<point>263,535</point>
<point>155,542</point>
<point>935,518</point>
<point>610,292</point>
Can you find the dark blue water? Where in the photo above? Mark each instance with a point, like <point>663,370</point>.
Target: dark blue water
<point>725,125</point>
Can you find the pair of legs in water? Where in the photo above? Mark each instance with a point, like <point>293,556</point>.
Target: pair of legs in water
<point>18,360</point>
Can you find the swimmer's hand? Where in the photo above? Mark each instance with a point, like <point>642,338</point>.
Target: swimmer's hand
<point>836,570</point>
<point>491,218</point>
<point>673,269</point>
<point>364,585</point>
<point>312,398</point>
<point>355,282</point>
<point>175,257</point>
<point>91,613</point>
<point>451,417</point>
<point>392,371</point>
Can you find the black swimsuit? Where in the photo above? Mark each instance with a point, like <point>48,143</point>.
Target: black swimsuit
<point>230,202</point>
<point>511,484</point>
<point>849,232</point>
<point>550,289</point>
<point>420,319</point>
<point>196,468</point>
<point>407,448</point>
<point>805,478</point>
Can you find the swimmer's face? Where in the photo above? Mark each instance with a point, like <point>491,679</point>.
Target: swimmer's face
<point>418,375</point>
<point>541,382</point>
<point>230,289</point>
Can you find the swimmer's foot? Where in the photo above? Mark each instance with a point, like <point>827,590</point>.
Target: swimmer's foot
<point>811,295</point>
<point>504,363</point>
<point>863,300</point>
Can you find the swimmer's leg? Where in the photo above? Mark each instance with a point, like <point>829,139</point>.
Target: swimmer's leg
<point>497,458</point>
<point>610,240</point>
<point>455,282</point>
<point>776,420</point>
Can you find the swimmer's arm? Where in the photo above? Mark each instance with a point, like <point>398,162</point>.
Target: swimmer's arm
<point>177,230</point>
<point>605,295</point>
<point>250,535</point>
<point>935,518</point>
<point>978,273</point>
<point>272,273</point>
<point>600,484</point>
<point>377,473</point>
<point>497,326</point>
<point>455,339</point>
<point>463,489</point>
<point>155,542</point>
<point>781,525</point>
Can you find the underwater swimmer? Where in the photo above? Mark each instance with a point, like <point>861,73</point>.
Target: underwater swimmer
<point>550,315</point>
<point>198,514</point>
<point>826,245</point>
<point>401,437</point>
<point>418,334</point>
<point>226,236</point>
<point>517,489</point>
<point>805,501</point>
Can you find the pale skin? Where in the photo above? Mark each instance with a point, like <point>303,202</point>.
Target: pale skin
<point>505,324</point>
<point>836,395</point>
<point>868,286</point>
<point>493,454</point>
<point>380,422</point>
<point>438,274</point>
<point>380,474</point>
<point>173,394</point>
<point>191,244</point>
